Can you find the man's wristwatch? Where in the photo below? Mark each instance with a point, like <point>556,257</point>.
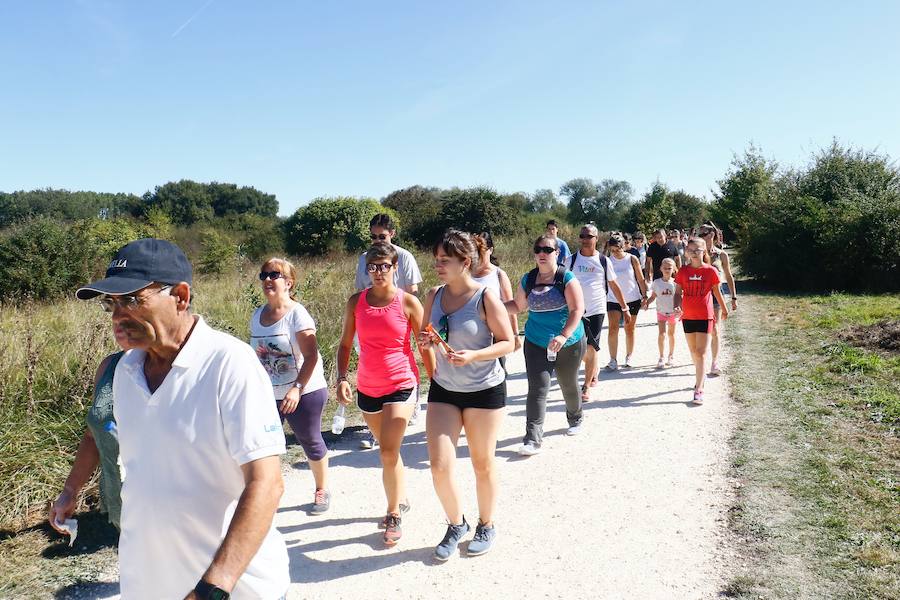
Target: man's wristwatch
<point>298,385</point>
<point>208,591</point>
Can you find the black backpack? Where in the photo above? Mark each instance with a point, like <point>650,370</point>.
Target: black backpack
<point>558,280</point>
<point>602,264</point>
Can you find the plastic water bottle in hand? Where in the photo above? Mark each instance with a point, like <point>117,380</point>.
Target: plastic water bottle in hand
<point>337,424</point>
<point>551,354</point>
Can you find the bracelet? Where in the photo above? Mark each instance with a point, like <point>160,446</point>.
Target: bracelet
<point>341,378</point>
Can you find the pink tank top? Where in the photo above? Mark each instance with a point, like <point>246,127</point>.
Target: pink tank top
<point>386,361</point>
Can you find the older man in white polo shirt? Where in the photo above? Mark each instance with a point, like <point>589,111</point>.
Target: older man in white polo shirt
<point>199,439</point>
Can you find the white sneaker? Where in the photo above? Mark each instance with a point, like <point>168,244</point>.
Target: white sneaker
<point>714,369</point>
<point>528,449</point>
<point>670,362</point>
<point>612,366</point>
<point>575,429</point>
<point>660,363</point>
<point>415,414</point>
<point>627,361</point>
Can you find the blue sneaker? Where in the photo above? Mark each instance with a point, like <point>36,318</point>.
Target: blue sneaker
<point>448,545</point>
<point>484,538</point>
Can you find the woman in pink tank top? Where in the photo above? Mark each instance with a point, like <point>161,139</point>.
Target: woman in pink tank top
<point>384,317</point>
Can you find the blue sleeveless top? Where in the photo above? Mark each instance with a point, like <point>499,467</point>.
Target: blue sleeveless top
<point>102,423</point>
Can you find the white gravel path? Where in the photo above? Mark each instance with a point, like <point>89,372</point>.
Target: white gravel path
<point>634,507</point>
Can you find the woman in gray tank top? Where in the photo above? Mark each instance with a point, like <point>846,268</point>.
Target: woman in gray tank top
<point>99,447</point>
<point>470,330</point>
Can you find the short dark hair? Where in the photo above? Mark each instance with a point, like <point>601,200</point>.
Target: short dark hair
<point>382,250</point>
<point>382,220</point>
<point>551,222</point>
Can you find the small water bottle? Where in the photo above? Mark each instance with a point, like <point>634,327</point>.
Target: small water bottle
<point>337,424</point>
<point>110,427</point>
<point>551,354</point>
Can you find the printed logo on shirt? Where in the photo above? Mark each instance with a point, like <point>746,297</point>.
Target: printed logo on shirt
<point>272,428</point>
<point>588,269</point>
<point>695,278</point>
<point>277,357</point>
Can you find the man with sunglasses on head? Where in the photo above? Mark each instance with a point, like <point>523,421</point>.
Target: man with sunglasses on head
<point>597,277</point>
<point>406,277</point>
<point>200,440</point>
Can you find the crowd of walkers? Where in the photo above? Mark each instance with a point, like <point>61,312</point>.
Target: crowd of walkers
<point>193,416</point>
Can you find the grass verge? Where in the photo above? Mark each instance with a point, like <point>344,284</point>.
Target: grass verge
<point>816,449</point>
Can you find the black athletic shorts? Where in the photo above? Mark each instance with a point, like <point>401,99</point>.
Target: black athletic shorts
<point>633,307</point>
<point>592,327</point>
<point>372,405</point>
<point>490,398</point>
<point>697,325</point>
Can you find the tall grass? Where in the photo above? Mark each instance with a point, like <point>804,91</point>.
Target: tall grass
<point>49,354</point>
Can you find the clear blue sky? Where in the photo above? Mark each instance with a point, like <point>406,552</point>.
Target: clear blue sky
<point>305,99</point>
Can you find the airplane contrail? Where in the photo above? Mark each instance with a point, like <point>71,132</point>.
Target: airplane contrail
<point>193,16</point>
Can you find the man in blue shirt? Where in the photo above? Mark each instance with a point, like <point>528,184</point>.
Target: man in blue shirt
<point>564,252</point>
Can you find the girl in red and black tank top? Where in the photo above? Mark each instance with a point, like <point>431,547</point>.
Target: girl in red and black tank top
<point>695,286</point>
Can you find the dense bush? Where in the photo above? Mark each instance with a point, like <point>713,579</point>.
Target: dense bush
<point>45,259</point>
<point>833,226</point>
<point>331,224</point>
<point>17,207</point>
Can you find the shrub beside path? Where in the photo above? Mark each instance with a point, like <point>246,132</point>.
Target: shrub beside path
<point>634,507</point>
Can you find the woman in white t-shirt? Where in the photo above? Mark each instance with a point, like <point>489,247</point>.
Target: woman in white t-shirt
<point>491,276</point>
<point>283,335</point>
<point>631,281</point>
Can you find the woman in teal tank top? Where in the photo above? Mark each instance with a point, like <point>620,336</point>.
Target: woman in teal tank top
<point>99,447</point>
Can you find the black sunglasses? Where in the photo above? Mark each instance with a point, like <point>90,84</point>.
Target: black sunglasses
<point>263,275</point>
<point>586,236</point>
<point>378,236</point>
<point>444,328</point>
<point>544,250</point>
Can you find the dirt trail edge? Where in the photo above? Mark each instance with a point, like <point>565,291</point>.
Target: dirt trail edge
<point>633,507</point>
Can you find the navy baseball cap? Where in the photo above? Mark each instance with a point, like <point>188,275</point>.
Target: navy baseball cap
<point>139,264</point>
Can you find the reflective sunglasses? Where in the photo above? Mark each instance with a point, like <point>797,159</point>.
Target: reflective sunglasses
<point>378,267</point>
<point>127,301</point>
<point>379,236</point>
<point>270,275</point>
<point>444,328</point>
<point>544,250</point>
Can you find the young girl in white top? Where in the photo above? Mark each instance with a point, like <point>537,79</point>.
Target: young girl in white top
<point>663,291</point>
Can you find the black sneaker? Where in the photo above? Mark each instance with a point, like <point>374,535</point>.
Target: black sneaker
<point>484,538</point>
<point>448,545</point>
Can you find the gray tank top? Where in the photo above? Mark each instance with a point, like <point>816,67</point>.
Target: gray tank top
<point>102,423</point>
<point>466,330</point>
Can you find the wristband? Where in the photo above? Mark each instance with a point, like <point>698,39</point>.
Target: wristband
<point>208,591</point>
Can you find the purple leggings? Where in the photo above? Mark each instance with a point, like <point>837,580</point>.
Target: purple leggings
<point>306,421</point>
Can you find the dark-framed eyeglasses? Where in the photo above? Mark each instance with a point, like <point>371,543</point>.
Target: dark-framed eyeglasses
<point>378,267</point>
<point>544,250</point>
<point>128,301</point>
<point>379,236</point>
<point>273,275</point>
<point>444,328</point>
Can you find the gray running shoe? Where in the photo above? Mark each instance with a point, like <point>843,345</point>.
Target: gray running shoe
<point>369,442</point>
<point>321,502</point>
<point>448,545</point>
<point>484,538</point>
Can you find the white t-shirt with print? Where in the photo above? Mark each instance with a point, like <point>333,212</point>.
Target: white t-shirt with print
<point>665,295</point>
<point>277,349</point>
<point>182,448</point>
<point>406,274</point>
<point>589,273</point>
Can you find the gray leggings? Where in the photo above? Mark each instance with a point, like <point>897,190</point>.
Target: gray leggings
<point>538,369</point>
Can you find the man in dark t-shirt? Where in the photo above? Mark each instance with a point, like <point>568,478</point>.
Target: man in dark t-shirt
<point>656,252</point>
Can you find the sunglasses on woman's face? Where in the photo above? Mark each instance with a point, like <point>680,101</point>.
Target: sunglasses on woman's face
<point>379,236</point>
<point>270,275</point>
<point>378,267</point>
<point>544,250</point>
